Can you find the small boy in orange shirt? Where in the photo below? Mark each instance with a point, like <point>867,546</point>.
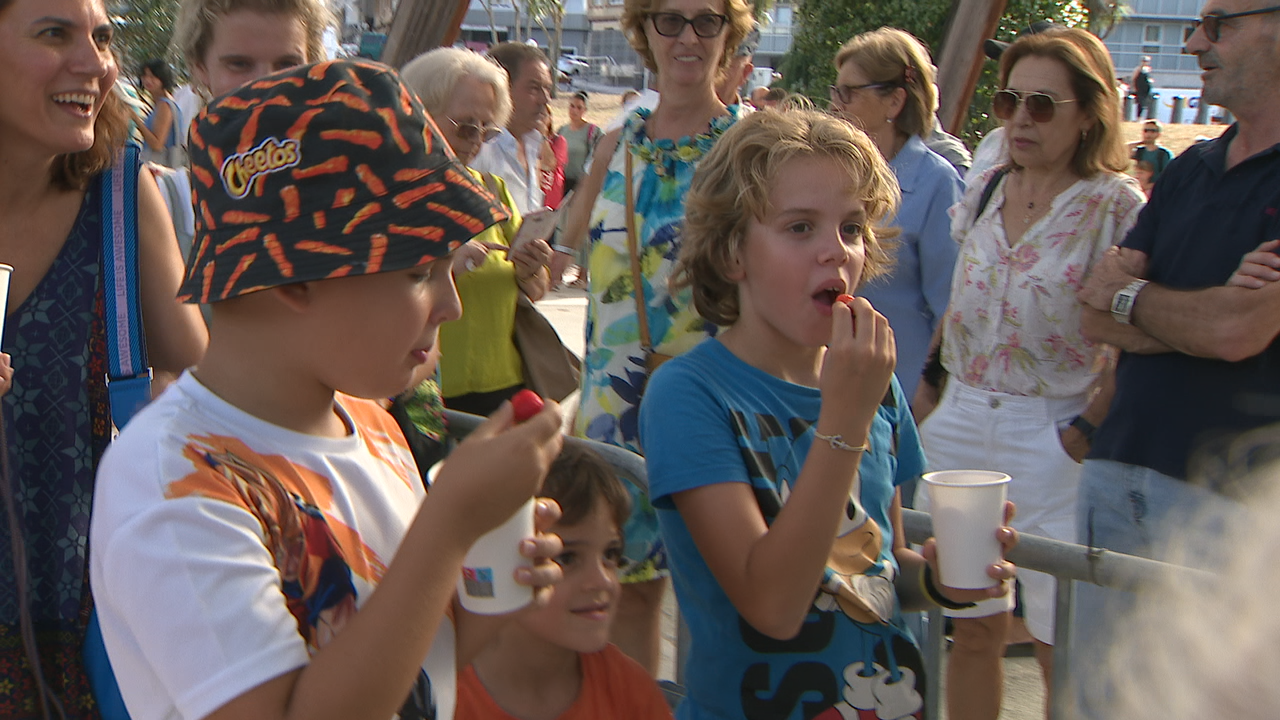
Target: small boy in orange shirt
<point>556,661</point>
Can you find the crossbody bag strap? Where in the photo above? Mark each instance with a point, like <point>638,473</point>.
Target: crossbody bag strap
<point>633,251</point>
<point>128,372</point>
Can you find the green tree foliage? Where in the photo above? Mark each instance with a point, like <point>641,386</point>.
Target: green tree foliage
<point>143,31</point>
<point>824,25</point>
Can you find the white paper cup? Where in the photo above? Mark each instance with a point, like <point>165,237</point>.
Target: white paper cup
<point>5,272</point>
<point>967,508</point>
<point>487,585</point>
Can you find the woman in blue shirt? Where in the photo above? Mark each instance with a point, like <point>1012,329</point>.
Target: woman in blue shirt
<point>885,86</point>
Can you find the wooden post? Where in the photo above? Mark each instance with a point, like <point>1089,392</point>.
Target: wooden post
<point>421,25</point>
<point>960,61</point>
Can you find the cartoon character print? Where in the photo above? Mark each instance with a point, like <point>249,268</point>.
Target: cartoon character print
<point>315,554</point>
<point>881,686</point>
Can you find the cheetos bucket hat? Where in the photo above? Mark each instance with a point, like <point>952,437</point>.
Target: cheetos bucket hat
<point>323,171</point>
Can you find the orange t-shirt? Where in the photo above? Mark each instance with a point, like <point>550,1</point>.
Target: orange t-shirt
<point>613,686</point>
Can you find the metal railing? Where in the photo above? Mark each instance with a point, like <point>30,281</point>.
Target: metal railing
<point>1065,561</point>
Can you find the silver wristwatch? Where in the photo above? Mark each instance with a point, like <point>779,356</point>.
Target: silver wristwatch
<point>1122,302</point>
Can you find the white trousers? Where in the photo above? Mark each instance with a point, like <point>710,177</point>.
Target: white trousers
<point>974,429</point>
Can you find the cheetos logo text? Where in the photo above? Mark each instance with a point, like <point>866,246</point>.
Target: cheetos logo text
<point>240,170</point>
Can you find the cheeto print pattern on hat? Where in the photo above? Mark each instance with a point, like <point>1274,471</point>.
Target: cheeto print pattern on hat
<point>323,171</point>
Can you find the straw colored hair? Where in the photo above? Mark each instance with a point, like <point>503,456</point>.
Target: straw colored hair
<point>732,186</point>
<point>193,30</point>
<point>635,13</point>
<point>892,56</point>
<point>1089,65</point>
<point>433,75</point>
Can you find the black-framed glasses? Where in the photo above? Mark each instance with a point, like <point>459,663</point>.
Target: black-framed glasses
<point>471,132</point>
<point>1040,107</point>
<point>844,93</point>
<point>1212,23</point>
<point>706,25</point>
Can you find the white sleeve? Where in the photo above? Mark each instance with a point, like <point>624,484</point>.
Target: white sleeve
<point>191,606</point>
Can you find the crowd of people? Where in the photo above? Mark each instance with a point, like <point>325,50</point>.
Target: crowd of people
<point>792,314</point>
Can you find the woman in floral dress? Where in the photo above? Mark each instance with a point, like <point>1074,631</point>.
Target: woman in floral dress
<point>684,42</point>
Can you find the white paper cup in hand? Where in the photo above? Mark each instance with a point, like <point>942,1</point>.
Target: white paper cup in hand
<point>487,585</point>
<point>5,272</point>
<point>967,508</point>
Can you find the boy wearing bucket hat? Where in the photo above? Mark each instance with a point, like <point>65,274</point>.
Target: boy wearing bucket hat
<point>261,544</point>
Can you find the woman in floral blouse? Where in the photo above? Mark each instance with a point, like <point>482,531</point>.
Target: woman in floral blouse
<point>1024,388</point>
<point>684,42</point>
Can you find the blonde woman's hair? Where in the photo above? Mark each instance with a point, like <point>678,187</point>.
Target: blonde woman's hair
<point>435,74</point>
<point>900,60</point>
<point>193,29</point>
<point>636,12</point>
<point>732,186</point>
<point>1088,64</point>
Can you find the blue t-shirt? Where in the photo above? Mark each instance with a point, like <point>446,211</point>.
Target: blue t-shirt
<point>1201,221</point>
<point>708,417</point>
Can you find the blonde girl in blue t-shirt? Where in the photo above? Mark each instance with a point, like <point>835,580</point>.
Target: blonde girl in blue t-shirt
<point>781,512</point>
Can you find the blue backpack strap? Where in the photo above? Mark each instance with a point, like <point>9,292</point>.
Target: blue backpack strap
<point>128,374</point>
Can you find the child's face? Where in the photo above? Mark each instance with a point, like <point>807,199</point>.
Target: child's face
<point>808,250</point>
<point>247,45</point>
<point>381,327</point>
<point>581,609</point>
<point>1143,175</point>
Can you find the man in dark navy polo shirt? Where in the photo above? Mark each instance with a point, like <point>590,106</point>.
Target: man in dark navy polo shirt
<point>1200,359</point>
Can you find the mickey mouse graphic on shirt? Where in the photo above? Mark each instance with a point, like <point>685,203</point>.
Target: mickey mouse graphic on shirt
<point>857,584</point>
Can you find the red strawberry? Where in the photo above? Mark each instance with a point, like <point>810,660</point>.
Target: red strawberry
<point>846,299</point>
<point>526,403</point>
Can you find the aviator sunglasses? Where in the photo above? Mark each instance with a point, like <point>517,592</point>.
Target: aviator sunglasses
<point>1040,107</point>
<point>669,24</point>
<point>1212,23</point>
<point>472,132</point>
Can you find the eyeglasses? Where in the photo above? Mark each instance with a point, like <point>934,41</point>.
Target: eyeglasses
<point>472,132</point>
<point>707,25</point>
<point>844,93</point>
<point>1040,107</point>
<point>1212,24</point>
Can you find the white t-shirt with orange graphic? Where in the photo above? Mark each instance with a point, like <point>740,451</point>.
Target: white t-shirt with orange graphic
<point>226,550</point>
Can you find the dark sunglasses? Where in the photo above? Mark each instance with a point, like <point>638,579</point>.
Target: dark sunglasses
<point>472,132</point>
<point>1040,107</point>
<point>1212,24</point>
<point>668,24</point>
<point>844,93</point>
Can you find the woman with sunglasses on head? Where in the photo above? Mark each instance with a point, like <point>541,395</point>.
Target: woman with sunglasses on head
<point>1023,389</point>
<point>647,164</point>
<point>885,87</point>
<point>480,365</point>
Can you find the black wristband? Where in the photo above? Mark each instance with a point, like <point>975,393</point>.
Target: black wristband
<point>1086,428</point>
<point>931,590</point>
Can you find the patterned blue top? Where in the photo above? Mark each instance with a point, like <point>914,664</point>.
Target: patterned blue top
<point>57,425</point>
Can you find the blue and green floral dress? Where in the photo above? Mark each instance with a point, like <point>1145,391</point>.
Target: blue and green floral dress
<point>613,372</point>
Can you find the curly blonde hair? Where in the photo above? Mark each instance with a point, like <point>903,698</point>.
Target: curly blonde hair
<point>732,186</point>
<point>636,12</point>
<point>898,58</point>
<point>1088,63</point>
